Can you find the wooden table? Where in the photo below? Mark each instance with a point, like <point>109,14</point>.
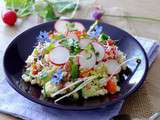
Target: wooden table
<point>146,100</point>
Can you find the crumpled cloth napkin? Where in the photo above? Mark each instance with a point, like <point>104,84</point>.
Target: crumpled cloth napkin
<point>14,103</point>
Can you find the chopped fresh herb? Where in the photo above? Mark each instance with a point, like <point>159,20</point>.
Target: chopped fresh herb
<point>64,43</point>
<point>56,37</point>
<point>74,46</point>
<point>89,56</point>
<point>97,54</point>
<point>49,48</point>
<point>103,37</point>
<point>70,24</point>
<point>90,48</point>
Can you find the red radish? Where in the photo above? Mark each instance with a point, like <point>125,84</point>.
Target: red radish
<point>83,43</point>
<point>87,59</point>
<point>72,35</point>
<point>59,55</point>
<point>79,26</point>
<point>9,18</point>
<point>100,50</point>
<point>113,67</point>
<point>60,26</point>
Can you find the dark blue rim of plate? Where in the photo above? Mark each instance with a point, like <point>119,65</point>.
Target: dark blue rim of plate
<point>59,106</point>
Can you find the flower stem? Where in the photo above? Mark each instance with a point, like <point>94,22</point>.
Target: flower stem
<point>133,17</point>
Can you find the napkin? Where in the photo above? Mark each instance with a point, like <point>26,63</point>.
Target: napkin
<point>14,103</point>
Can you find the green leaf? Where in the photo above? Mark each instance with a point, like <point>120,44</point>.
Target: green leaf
<point>89,48</point>
<point>103,37</point>
<point>45,10</point>
<point>74,47</point>
<point>49,48</point>
<point>64,6</point>
<point>64,43</point>
<point>22,7</point>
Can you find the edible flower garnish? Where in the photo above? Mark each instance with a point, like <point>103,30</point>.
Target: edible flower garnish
<point>57,77</point>
<point>43,37</point>
<point>97,13</point>
<point>95,33</point>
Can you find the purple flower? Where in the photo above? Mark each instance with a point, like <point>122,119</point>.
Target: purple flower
<point>57,77</point>
<point>96,14</point>
<point>43,37</point>
<point>95,33</point>
<point>39,57</point>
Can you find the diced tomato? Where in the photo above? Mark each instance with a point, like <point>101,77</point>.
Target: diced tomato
<point>111,87</point>
<point>110,42</point>
<point>34,67</point>
<point>78,33</point>
<point>62,84</point>
<point>35,72</point>
<point>108,52</point>
<point>104,59</point>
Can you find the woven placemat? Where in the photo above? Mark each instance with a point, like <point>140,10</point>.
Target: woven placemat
<point>139,105</point>
<point>144,102</point>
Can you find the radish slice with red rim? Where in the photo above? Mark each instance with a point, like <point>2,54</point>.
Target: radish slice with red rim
<point>72,35</point>
<point>112,65</point>
<point>83,43</point>
<point>79,26</point>
<point>59,55</point>
<point>61,27</point>
<point>99,50</point>
<point>87,59</point>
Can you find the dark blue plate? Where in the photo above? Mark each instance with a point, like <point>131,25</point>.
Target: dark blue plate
<point>22,46</point>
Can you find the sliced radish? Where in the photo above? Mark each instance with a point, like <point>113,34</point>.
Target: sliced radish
<point>87,59</point>
<point>113,67</point>
<point>72,35</point>
<point>99,49</point>
<point>59,55</point>
<point>79,26</point>
<point>60,26</point>
<point>83,43</point>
